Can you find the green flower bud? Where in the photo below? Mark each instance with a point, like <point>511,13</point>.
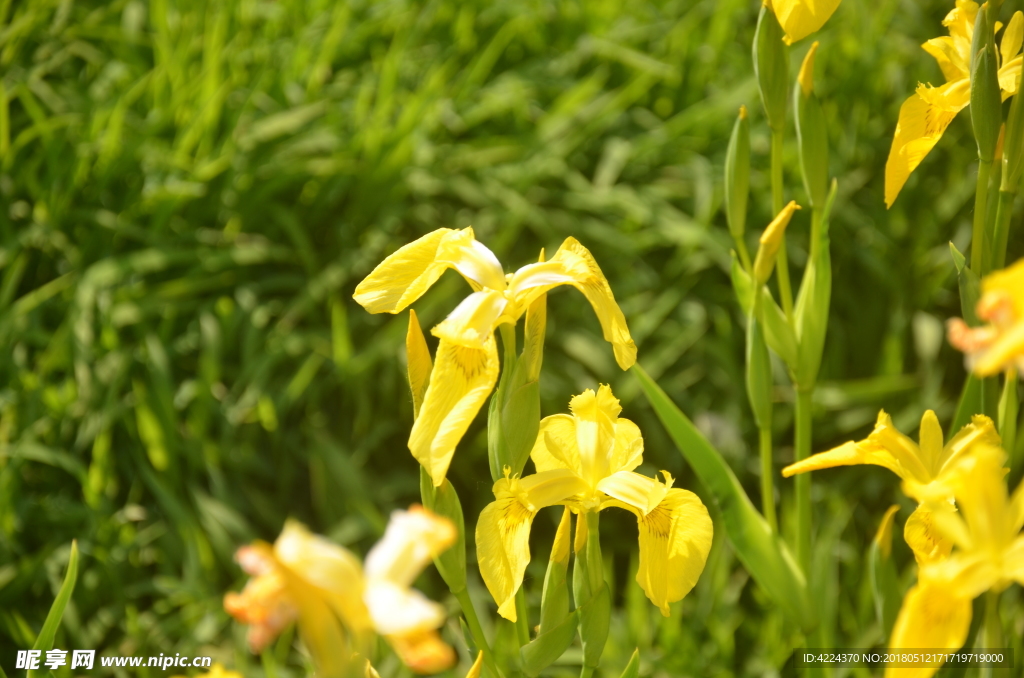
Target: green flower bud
<point>986,100</point>
<point>759,374</point>
<point>737,176</point>
<point>812,139</point>
<point>445,502</point>
<point>1013,142</point>
<point>884,586</point>
<point>771,66</point>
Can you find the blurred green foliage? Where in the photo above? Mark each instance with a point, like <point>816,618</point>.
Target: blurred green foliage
<point>191,190</point>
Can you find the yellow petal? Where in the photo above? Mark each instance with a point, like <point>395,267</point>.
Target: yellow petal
<point>473,321</point>
<point>800,18</point>
<point>1009,77</point>
<point>418,361</point>
<point>923,539</point>
<point>503,530</point>
<point>963,574</point>
<point>640,492</point>
<point>629,446</point>
<point>922,121</point>
<point>883,536</point>
<point>930,618</point>
<point>1009,280</point>
<point>1006,351</point>
<point>595,415</point>
<point>412,539</point>
<point>560,547</point>
<point>904,450</point>
<point>556,444</point>
<point>675,539</point>
<point>771,241</point>
<point>806,75</point>
<point>1015,560</point>
<point>424,652</point>
<point>404,276</point>
<point>401,611</point>
<point>588,279</point>
<point>1012,36</point>
<point>981,431</point>
<point>954,65</point>
<point>847,454</point>
<point>472,259</point>
<point>930,439</point>
<point>477,667</point>
<point>460,382</point>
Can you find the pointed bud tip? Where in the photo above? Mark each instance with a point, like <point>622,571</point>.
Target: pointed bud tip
<point>743,112</point>
<point>883,538</point>
<point>806,75</point>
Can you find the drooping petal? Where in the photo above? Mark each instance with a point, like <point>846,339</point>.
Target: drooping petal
<point>470,257</point>
<point>930,618</point>
<point>423,652</point>
<point>923,539</point>
<point>503,530</point>
<point>800,18</point>
<point>418,362</point>
<point>847,454</point>
<point>586,276</point>
<point>640,492</point>
<point>473,321</point>
<point>675,539</point>
<point>412,539</point>
<point>595,415</point>
<point>460,382</point>
<point>923,119</point>
<point>403,276</point>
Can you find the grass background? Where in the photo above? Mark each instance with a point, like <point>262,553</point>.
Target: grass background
<point>191,190</point>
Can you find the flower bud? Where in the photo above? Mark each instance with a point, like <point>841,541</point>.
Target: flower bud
<point>811,136</point>
<point>771,241</point>
<point>554,602</point>
<point>737,176</point>
<point>986,100</point>
<point>443,501</point>
<point>1013,141</point>
<point>759,375</point>
<point>884,586</point>
<point>771,67</point>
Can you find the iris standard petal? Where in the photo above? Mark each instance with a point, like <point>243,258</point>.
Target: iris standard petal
<point>460,382</point>
<point>922,121</point>
<point>503,530</point>
<point>981,431</point>
<point>929,439</point>
<point>595,415</point>
<point>556,444</point>
<point>403,276</point>
<point>412,539</point>
<point>588,279</point>
<point>930,618</point>
<point>1009,47</point>
<point>800,18</point>
<point>629,446</point>
<point>419,364</point>
<point>927,543</point>
<point>675,539</point>
<point>904,450</point>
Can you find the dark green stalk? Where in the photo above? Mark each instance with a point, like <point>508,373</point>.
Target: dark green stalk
<point>803,480</point>
<point>980,207</point>
<point>782,261</point>
<point>767,482</point>
<point>1001,230</point>
<point>475,629</point>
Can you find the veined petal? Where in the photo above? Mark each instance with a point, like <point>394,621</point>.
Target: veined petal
<point>556,444</point>
<point>800,18</point>
<point>929,442</point>
<point>460,382</point>
<point>981,431</point>
<point>473,321</point>
<point>423,652</point>
<point>675,539</point>
<point>629,446</point>
<point>924,540</point>
<point>951,61</point>
<point>412,539</point>
<point>595,415</point>
<point>1009,47</point>
<point>847,454</point>
<point>417,357</point>
<point>923,119</point>
<point>904,450</point>
<point>503,530</point>
<point>930,618</point>
<point>642,493</point>
<point>589,280</point>
<point>405,275</point>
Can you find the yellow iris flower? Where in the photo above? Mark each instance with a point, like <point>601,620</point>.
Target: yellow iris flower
<point>800,18</point>
<point>466,363</point>
<point>926,468</point>
<point>338,602</point>
<point>989,555</point>
<point>999,345</point>
<point>927,113</point>
<point>585,461</point>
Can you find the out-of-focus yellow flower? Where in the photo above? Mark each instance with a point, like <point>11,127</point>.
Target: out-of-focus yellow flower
<point>585,461</point>
<point>800,18</point>
<point>216,671</point>
<point>466,363</point>
<point>339,603</point>
<point>999,345</point>
<point>926,469</point>
<point>927,113</point>
<point>989,555</point>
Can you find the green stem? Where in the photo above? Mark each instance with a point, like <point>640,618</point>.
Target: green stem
<point>980,209</point>
<point>782,260</point>
<point>803,480</point>
<point>587,672</point>
<point>595,564</point>
<point>741,247</point>
<point>1009,408</point>
<point>1001,231</point>
<point>522,618</point>
<point>767,483</point>
<point>475,629</point>
<point>993,630</point>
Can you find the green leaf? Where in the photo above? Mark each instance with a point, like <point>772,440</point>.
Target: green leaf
<point>632,669</point>
<point>959,260</point>
<point>44,641</point>
<point>763,553</point>
<point>970,290</point>
<point>546,648</point>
